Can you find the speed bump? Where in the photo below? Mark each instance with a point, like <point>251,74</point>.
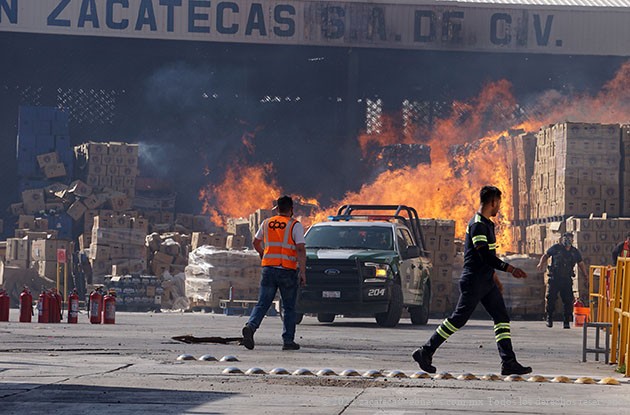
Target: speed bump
<point>420,375</point>
<point>255,371</point>
<point>584,380</point>
<point>608,381</point>
<point>326,372</point>
<point>491,376</point>
<point>208,358</point>
<point>444,375</point>
<point>396,374</point>
<point>514,378</point>
<point>186,357</point>
<point>561,379</point>
<point>372,374</point>
<point>279,371</point>
<point>467,376</point>
<point>349,372</point>
<point>537,378</point>
<point>303,372</point>
<point>229,358</point>
<point>232,370</point>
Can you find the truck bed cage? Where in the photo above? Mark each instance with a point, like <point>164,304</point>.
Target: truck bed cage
<point>410,220</point>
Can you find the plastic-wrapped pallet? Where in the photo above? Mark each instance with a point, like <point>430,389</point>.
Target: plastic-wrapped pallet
<point>212,272</point>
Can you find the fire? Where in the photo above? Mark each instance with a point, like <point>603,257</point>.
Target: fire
<point>243,190</point>
<point>467,152</point>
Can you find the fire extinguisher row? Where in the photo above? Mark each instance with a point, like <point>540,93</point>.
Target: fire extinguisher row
<point>50,309</point>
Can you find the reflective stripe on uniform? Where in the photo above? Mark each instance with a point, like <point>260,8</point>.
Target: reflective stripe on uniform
<point>280,256</point>
<point>446,329</point>
<point>502,331</point>
<point>479,238</point>
<point>477,218</point>
<point>492,246</point>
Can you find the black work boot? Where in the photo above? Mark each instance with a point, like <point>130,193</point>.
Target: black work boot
<point>512,367</point>
<point>248,337</point>
<point>291,346</point>
<point>567,325</point>
<point>424,358</point>
<point>549,322</point>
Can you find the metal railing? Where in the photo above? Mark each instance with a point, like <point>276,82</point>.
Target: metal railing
<point>610,302</point>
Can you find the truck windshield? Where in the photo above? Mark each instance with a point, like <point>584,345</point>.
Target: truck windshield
<point>349,237</point>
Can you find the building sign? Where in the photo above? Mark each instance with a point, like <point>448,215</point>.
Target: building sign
<point>423,25</point>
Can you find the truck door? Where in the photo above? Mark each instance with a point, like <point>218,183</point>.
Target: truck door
<point>410,268</point>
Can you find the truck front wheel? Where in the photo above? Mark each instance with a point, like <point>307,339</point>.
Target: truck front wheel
<point>391,317</point>
<point>420,315</point>
<point>325,317</point>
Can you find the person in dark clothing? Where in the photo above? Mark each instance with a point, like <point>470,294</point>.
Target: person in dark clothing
<point>479,283</point>
<point>564,257</point>
<point>622,249</point>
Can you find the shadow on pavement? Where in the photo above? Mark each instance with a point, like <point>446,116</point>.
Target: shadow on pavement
<point>28,398</point>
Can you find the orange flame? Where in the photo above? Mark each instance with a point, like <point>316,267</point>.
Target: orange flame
<point>243,190</point>
<point>466,153</point>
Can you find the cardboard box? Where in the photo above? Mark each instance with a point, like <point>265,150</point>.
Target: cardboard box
<point>47,269</point>
<point>17,209</point>
<point>80,189</point>
<point>120,203</point>
<point>76,210</point>
<point>163,258</point>
<point>47,159</point>
<point>92,180</point>
<point>97,149</point>
<point>100,252</point>
<point>96,169</point>
<point>26,222</point>
<point>41,225</point>
<point>235,242</point>
<point>128,171</point>
<point>33,201</point>
<point>55,170</point>
<point>101,267</point>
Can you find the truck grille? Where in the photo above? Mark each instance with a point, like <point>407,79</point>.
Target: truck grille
<point>333,272</point>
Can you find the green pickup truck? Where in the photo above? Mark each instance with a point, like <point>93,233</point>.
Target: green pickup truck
<point>368,260</point>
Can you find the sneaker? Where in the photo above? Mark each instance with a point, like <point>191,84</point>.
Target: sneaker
<point>513,367</point>
<point>567,325</point>
<point>549,322</point>
<point>248,337</point>
<point>424,359</point>
<point>291,346</point>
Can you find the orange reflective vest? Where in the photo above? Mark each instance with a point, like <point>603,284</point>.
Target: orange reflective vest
<point>625,252</point>
<point>280,249</point>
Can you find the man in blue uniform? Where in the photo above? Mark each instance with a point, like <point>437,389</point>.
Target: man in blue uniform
<point>479,283</point>
<point>564,256</point>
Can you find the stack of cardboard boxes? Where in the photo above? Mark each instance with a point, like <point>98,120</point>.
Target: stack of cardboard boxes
<point>135,292</point>
<point>118,246</point>
<point>576,172</point>
<point>216,274</point>
<point>110,165</point>
<point>168,252</point>
<point>439,238</point>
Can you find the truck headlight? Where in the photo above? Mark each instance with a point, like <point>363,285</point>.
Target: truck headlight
<point>380,270</point>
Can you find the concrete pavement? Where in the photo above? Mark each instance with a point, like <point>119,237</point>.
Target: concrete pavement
<point>131,367</point>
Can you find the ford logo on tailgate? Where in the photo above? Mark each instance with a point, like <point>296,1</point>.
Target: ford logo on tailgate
<point>332,271</point>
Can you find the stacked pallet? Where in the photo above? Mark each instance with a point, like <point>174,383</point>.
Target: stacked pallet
<point>118,246</point>
<point>135,292</point>
<point>217,274</point>
<point>110,165</point>
<point>44,256</point>
<point>439,239</point>
<point>595,238</point>
<point>576,171</point>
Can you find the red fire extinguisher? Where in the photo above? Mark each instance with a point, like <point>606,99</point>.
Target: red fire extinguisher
<point>109,308</point>
<point>26,306</point>
<point>5,304</point>
<point>55,307</point>
<point>43,307</point>
<point>73,307</point>
<point>95,306</point>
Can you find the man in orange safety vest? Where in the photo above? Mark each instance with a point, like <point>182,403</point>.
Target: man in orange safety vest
<point>281,246</point>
